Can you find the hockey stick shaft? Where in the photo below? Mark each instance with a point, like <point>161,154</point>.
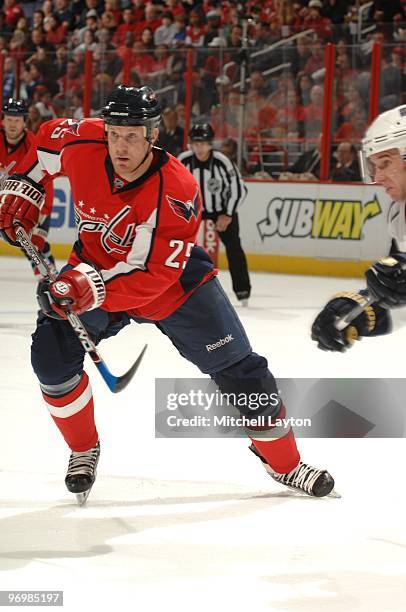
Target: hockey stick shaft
<point>114,383</point>
<point>342,323</point>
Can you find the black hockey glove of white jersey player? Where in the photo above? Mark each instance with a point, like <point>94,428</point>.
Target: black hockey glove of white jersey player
<point>324,331</point>
<point>386,281</point>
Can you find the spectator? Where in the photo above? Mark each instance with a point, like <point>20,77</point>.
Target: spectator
<point>147,38</point>
<point>128,25</point>
<point>301,54</point>
<point>336,10</point>
<point>352,130</point>
<point>212,27</point>
<point>18,46</point>
<point>55,30</point>
<point>179,38</point>
<point>398,28</point>
<point>8,78</point>
<point>165,33</point>
<point>37,41</point>
<point>72,81</point>
<point>12,13</point>
<point>284,84</point>
<point>316,59</point>
<point>112,6</point>
<point>23,26</point>
<point>391,85</point>
<point>195,30</point>
<point>61,60</point>
<point>89,43</point>
<point>389,9</point>
<point>159,69</point>
<point>180,113</point>
<point>315,21</point>
<point>258,84</point>
<point>346,167</point>
<point>141,61</point>
<point>38,19</point>
<point>63,13</point>
<point>304,87</point>
<point>353,102</point>
<point>91,6</point>
<point>307,167</point>
<point>43,102</point>
<point>138,9</point>
<point>150,21</point>
<point>109,62</point>
<point>47,8</point>
<point>313,113</point>
<point>170,133</point>
<point>175,7</point>
<point>290,118</point>
<point>90,24</point>
<point>34,120</point>
<point>33,77</point>
<point>235,39</point>
<point>108,22</point>
<point>263,36</point>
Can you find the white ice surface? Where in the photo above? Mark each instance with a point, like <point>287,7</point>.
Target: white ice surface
<point>196,525</point>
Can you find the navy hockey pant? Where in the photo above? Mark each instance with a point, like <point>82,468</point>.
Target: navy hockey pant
<point>205,330</point>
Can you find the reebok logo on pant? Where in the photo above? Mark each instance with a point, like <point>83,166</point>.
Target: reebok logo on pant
<point>221,342</point>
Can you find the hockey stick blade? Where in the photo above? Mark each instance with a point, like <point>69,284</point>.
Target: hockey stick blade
<point>114,383</point>
<point>343,322</point>
<point>118,383</point>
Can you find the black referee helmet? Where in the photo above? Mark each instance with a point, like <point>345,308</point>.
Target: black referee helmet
<point>201,131</point>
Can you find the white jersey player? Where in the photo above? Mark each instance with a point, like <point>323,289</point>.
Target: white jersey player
<point>383,162</point>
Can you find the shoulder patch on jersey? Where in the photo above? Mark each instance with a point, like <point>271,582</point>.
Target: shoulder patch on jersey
<point>69,126</point>
<point>185,210</point>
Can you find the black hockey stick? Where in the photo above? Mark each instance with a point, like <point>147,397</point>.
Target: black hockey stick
<point>342,322</point>
<point>114,383</point>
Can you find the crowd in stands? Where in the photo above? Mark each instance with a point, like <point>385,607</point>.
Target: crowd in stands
<point>44,45</point>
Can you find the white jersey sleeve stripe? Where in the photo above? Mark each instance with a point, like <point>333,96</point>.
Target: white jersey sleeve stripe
<point>137,257</point>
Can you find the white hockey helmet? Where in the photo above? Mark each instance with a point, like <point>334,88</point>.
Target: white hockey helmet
<point>387,131</point>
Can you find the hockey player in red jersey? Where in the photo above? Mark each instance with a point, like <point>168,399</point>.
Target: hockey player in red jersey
<point>138,211</point>
<point>15,142</point>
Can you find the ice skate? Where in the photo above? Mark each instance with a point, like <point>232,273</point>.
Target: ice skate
<point>303,478</point>
<point>242,297</point>
<point>82,472</point>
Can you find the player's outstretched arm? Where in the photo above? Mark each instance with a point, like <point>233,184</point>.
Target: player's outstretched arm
<point>373,321</point>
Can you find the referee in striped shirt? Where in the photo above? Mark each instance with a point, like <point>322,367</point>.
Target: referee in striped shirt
<point>223,190</point>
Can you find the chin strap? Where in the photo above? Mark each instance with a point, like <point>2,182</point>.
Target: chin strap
<point>150,146</point>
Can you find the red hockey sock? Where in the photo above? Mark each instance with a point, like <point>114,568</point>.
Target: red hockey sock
<point>277,445</point>
<point>73,414</point>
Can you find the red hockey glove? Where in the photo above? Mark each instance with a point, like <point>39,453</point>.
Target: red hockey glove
<point>39,234</point>
<point>20,203</point>
<point>79,289</point>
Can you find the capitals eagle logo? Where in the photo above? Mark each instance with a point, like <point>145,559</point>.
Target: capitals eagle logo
<point>185,210</point>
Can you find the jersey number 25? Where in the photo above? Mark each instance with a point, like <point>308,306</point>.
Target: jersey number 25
<point>179,253</point>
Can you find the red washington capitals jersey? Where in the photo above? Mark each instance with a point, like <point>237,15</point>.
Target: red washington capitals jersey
<point>140,235</point>
<point>14,154</point>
